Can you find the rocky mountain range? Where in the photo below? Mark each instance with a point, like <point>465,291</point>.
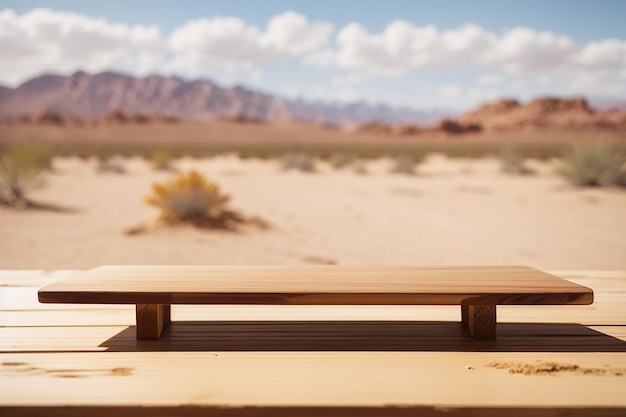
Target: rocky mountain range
<point>91,96</point>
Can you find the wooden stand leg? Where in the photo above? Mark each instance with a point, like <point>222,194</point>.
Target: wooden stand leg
<point>167,314</point>
<point>481,321</point>
<point>150,320</point>
<point>465,314</point>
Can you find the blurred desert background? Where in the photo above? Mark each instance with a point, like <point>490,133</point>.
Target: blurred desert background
<point>106,164</point>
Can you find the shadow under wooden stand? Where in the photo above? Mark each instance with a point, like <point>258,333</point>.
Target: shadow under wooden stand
<point>152,318</point>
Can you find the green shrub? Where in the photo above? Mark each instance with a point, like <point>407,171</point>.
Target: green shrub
<point>596,163</point>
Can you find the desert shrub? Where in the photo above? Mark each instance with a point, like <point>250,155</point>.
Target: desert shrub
<point>340,160</point>
<point>18,176</point>
<point>188,197</point>
<point>512,162</point>
<point>31,154</point>
<point>594,164</point>
<point>161,160</point>
<point>298,161</point>
<point>114,164</point>
<point>403,164</point>
<point>359,167</point>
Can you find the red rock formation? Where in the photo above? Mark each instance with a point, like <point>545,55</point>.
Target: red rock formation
<point>445,127</point>
<point>544,113</point>
<point>118,116</point>
<point>452,127</point>
<point>406,130</point>
<point>376,128</point>
<point>46,116</point>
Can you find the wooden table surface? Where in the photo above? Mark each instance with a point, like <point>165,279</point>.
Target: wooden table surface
<point>294,360</point>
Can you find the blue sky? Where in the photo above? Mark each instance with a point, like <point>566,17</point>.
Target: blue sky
<point>422,54</point>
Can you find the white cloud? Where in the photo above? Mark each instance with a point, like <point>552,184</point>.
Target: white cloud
<point>256,75</point>
<point>605,55</point>
<point>45,40</point>
<point>523,50</point>
<point>403,48</point>
<point>348,80</point>
<point>291,33</point>
<point>323,58</point>
<point>452,90</point>
<point>332,94</point>
<point>490,79</point>
<point>230,44</point>
<point>481,94</point>
<point>544,58</point>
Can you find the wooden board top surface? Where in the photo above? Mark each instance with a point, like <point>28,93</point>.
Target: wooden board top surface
<point>324,285</point>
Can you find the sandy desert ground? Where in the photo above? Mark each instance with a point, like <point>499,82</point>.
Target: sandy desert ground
<point>453,212</point>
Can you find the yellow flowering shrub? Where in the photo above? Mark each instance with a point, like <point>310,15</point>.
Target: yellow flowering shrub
<point>188,197</point>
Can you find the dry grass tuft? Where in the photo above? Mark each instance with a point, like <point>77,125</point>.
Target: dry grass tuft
<point>359,167</point>
<point>403,164</point>
<point>190,198</point>
<point>595,164</point>
<point>113,165</point>
<point>512,162</point>
<point>340,160</point>
<point>21,171</point>
<point>299,161</point>
<point>161,160</point>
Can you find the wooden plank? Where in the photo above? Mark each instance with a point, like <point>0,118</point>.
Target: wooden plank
<point>125,316</point>
<point>291,380</point>
<point>319,285</point>
<point>57,339</point>
<point>30,277</point>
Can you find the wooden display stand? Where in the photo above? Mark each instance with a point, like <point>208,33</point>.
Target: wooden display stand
<point>477,289</point>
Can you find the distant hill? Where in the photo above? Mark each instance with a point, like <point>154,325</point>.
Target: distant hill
<point>91,96</point>
<point>509,115</point>
<point>544,113</point>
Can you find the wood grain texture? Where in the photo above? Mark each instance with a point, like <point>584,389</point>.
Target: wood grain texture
<point>150,320</point>
<point>375,380</point>
<point>317,285</point>
<point>297,360</point>
<point>481,321</point>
